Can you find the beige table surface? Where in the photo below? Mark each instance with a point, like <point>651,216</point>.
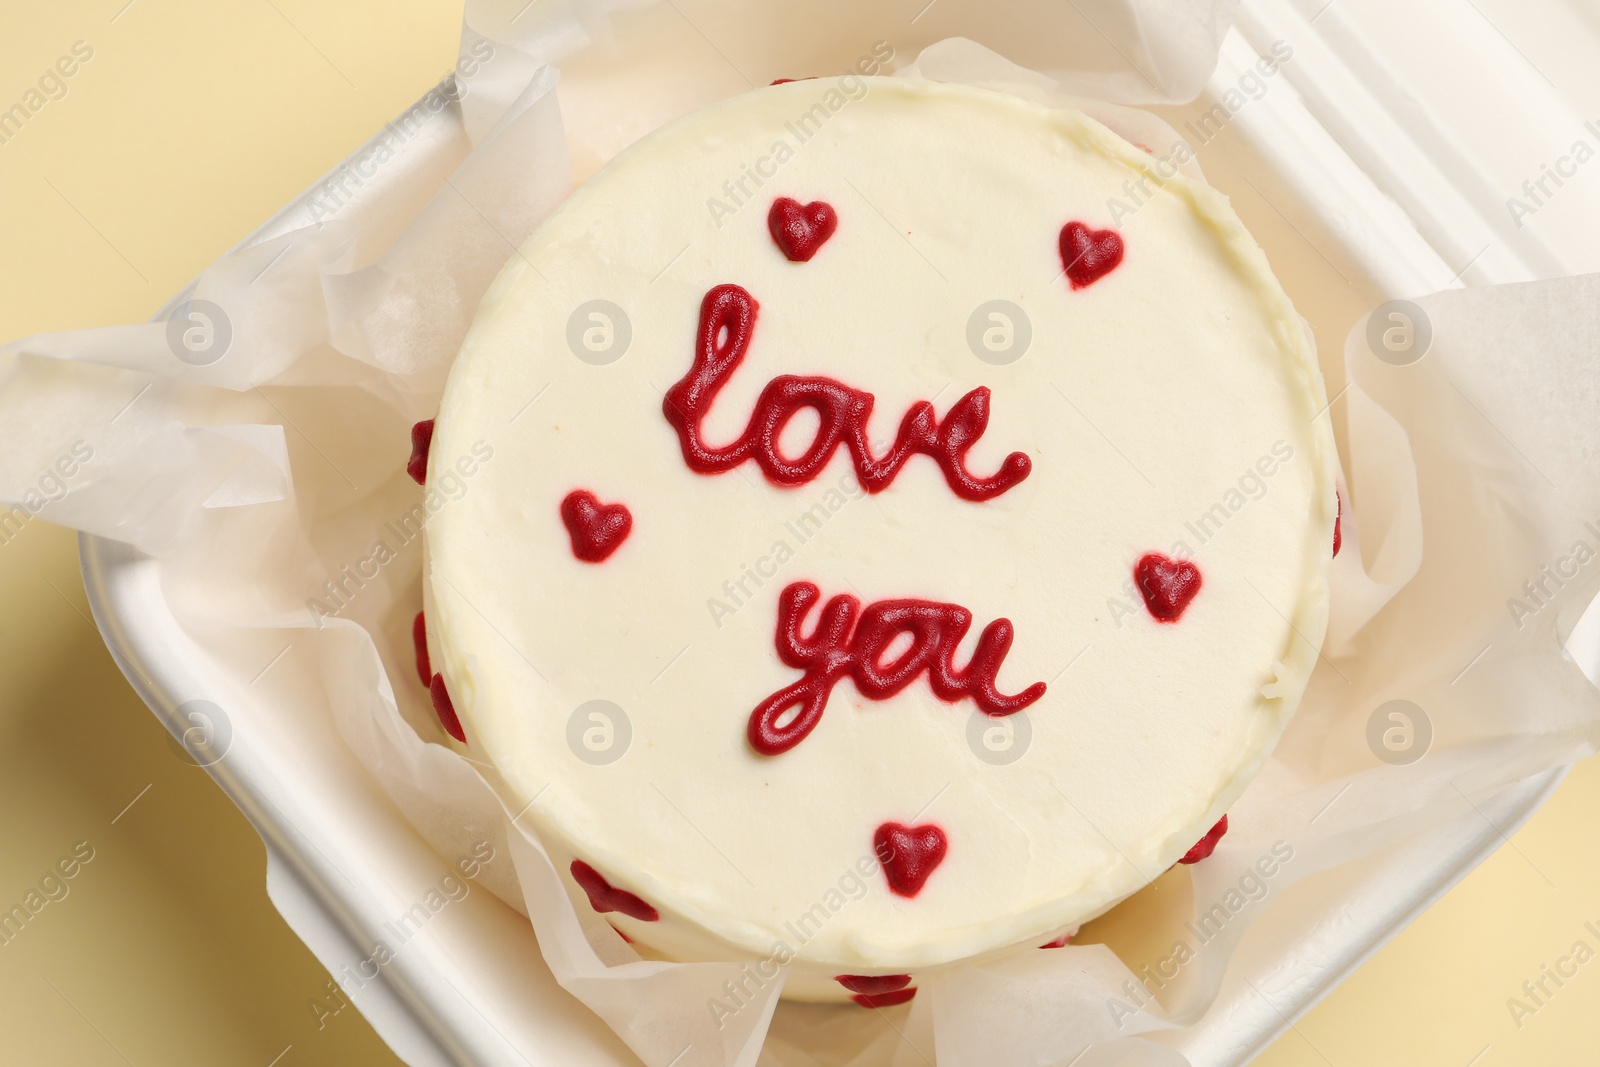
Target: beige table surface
<point>191,123</point>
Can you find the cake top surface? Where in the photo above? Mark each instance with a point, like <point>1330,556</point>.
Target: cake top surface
<point>902,496</point>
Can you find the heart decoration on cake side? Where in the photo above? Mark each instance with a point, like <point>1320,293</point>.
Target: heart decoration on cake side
<point>908,854</point>
<point>884,1000</point>
<point>877,991</point>
<point>1166,584</point>
<point>445,708</point>
<point>604,897</point>
<point>596,529</point>
<point>1089,255</point>
<point>873,984</point>
<point>421,441</point>
<point>1207,844</point>
<point>800,229</point>
<point>419,644</point>
<point>1338,518</point>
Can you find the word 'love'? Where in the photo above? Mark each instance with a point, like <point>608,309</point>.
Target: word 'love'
<point>850,639</point>
<point>727,320</point>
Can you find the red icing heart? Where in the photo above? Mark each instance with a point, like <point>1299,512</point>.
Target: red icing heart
<point>1089,255</point>
<point>604,897</point>
<point>873,985</point>
<point>419,640</point>
<point>445,709</point>
<point>1207,844</point>
<point>1338,517</point>
<point>908,854</point>
<point>884,1000</point>
<point>1167,585</point>
<point>421,441</point>
<point>800,229</point>
<point>1061,942</point>
<point>596,529</point>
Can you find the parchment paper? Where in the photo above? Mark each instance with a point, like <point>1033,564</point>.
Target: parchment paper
<point>257,444</point>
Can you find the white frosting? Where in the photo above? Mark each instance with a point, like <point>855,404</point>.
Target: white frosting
<point>1172,406</point>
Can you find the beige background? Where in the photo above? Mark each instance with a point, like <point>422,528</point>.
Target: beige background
<point>191,124</point>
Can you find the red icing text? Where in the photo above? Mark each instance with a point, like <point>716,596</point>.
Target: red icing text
<point>727,320</point>
<point>851,640</point>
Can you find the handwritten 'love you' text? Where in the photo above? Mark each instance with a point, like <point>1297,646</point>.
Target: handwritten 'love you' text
<point>851,640</point>
<point>727,321</point>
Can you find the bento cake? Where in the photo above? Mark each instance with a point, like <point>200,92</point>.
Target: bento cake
<point>901,544</point>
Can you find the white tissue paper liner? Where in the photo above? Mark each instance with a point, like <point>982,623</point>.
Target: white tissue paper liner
<point>269,478</point>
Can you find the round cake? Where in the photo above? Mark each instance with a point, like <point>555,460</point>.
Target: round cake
<point>894,524</point>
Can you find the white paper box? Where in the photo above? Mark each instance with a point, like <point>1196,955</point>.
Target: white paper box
<point>441,1000</point>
